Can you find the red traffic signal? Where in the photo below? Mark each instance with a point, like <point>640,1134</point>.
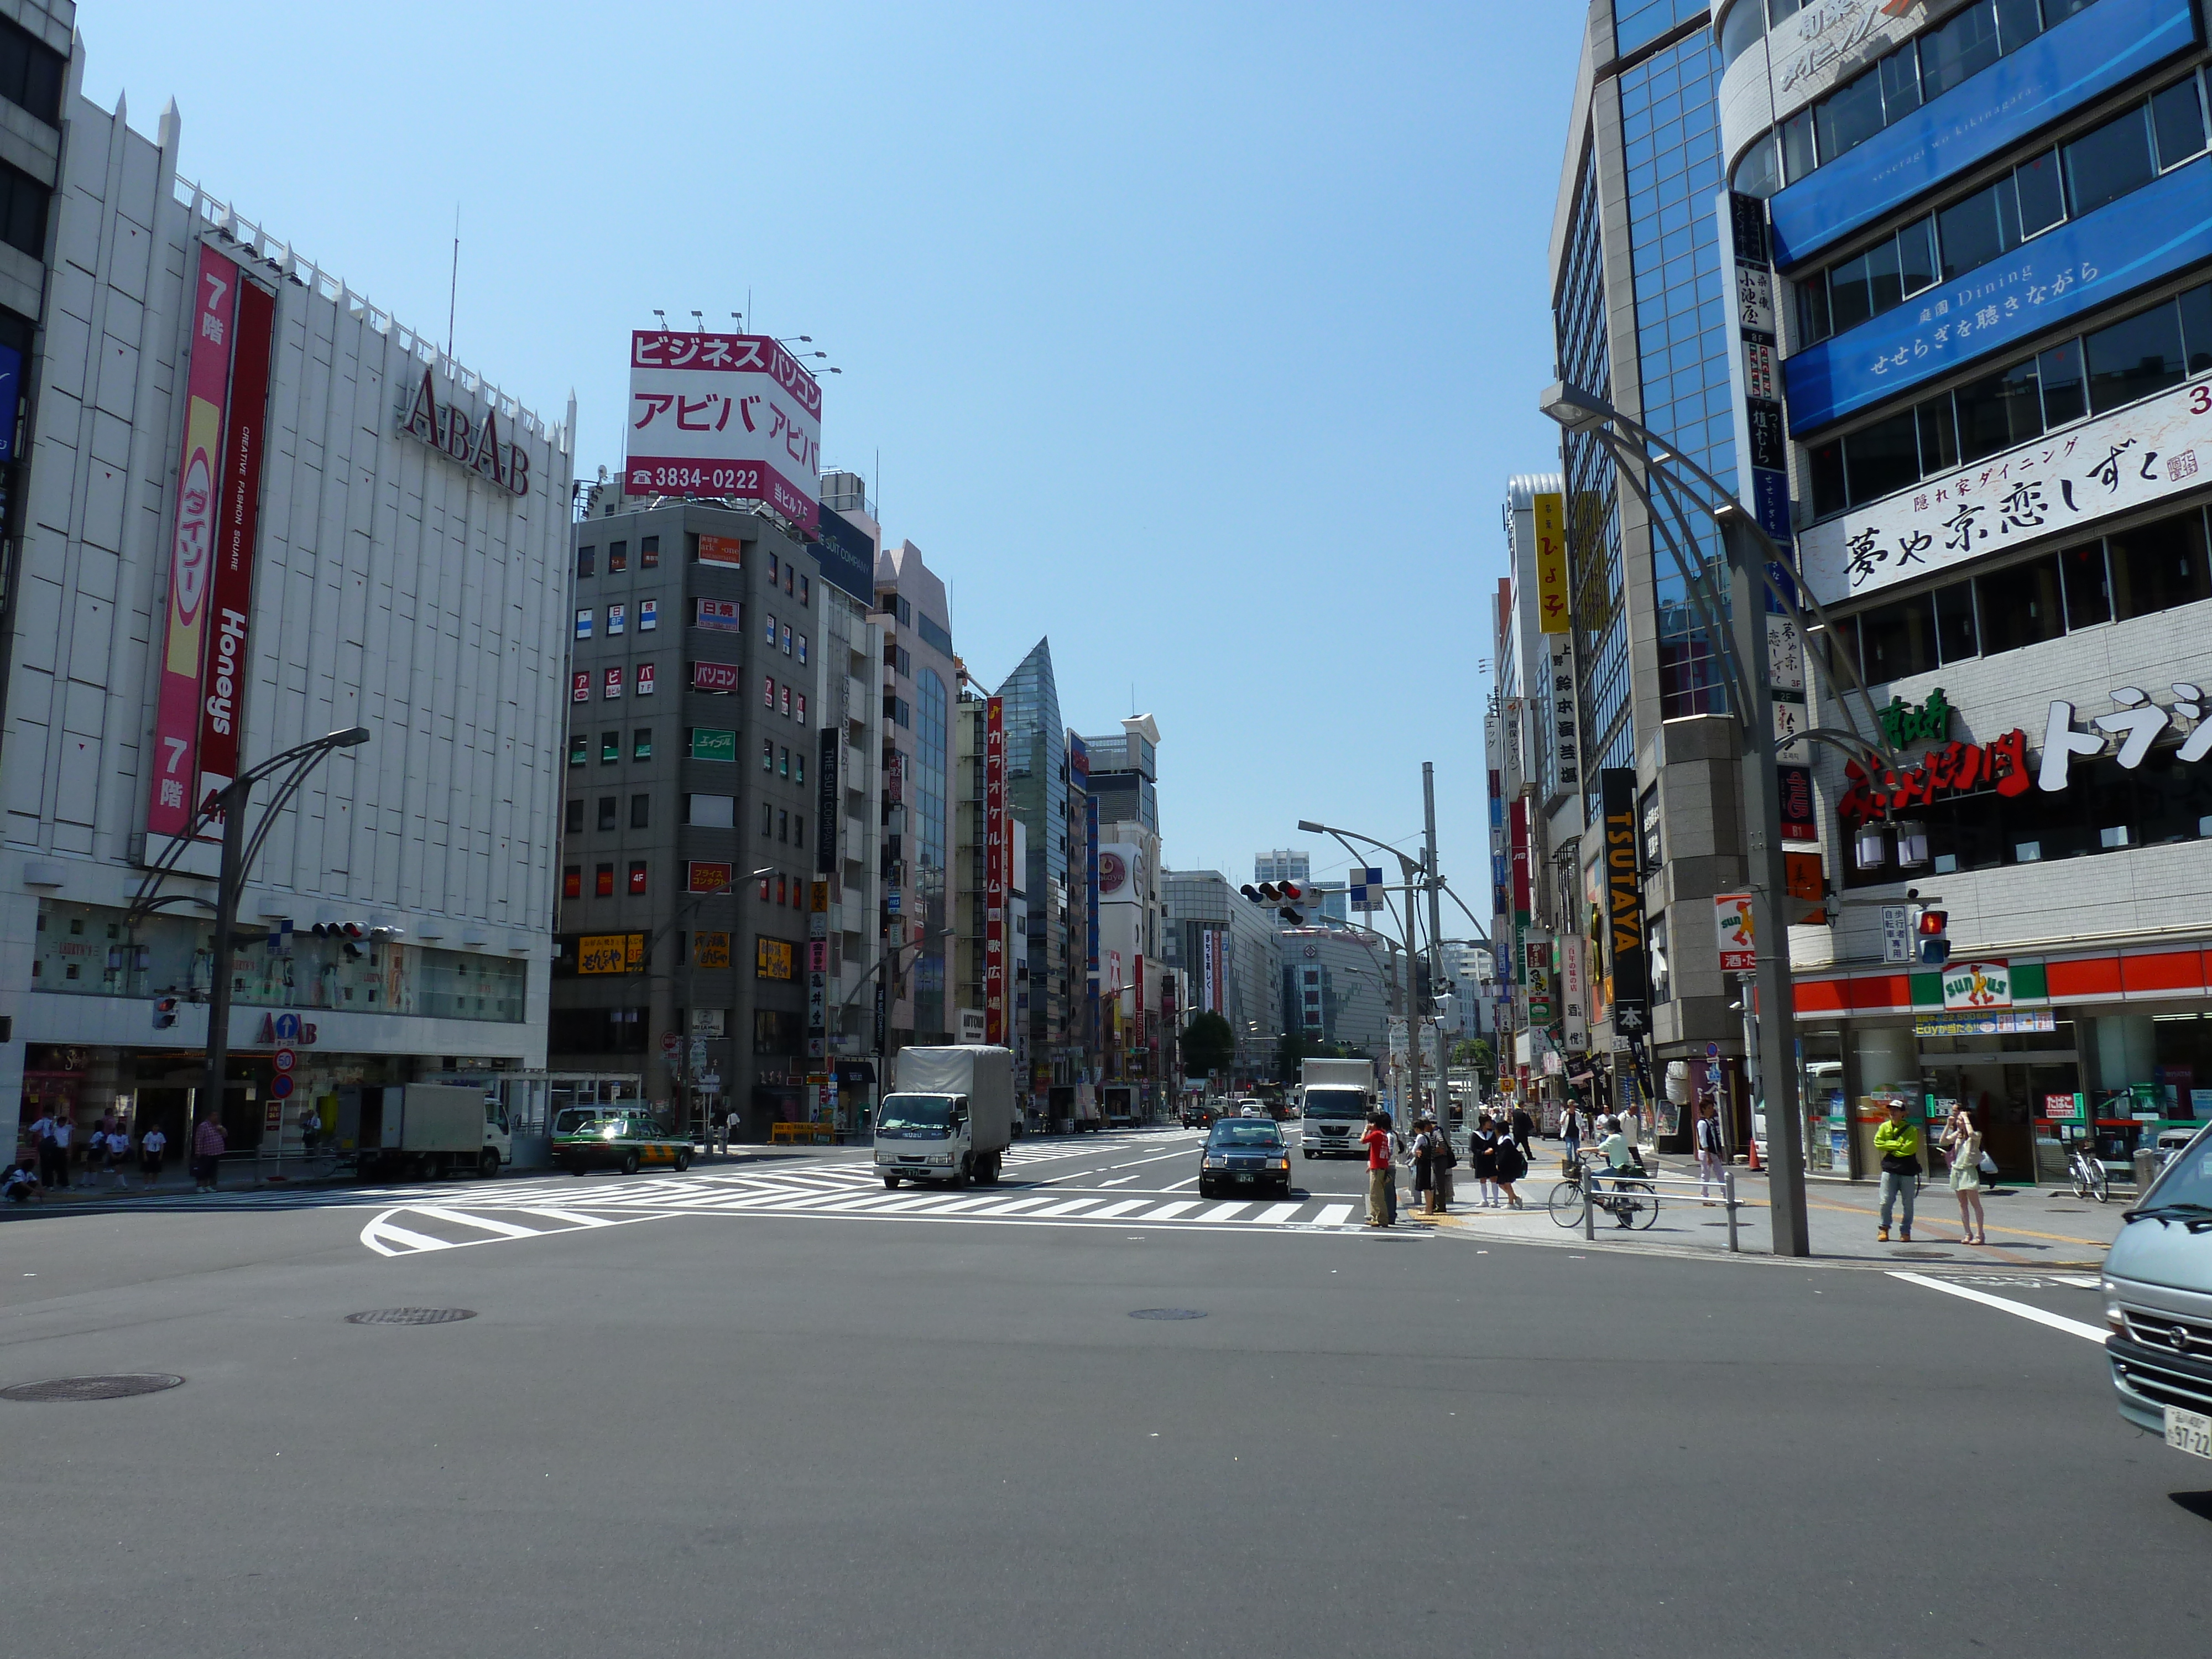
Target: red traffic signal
<point>1292,892</point>
<point>1934,947</point>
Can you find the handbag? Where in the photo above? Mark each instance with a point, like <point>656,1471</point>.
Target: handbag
<point>1988,1165</point>
<point>1896,1165</point>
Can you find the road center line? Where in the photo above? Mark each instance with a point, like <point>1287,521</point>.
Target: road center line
<point>2057,1321</point>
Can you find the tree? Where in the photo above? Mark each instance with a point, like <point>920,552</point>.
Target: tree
<point>1208,1045</point>
<point>1473,1051</point>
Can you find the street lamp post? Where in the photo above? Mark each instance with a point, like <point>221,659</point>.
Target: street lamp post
<point>240,850</point>
<point>1419,873</point>
<point>1674,488</point>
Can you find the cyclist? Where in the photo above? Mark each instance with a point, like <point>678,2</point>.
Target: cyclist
<point>1621,1161</point>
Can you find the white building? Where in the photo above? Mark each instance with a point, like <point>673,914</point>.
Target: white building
<point>399,564</point>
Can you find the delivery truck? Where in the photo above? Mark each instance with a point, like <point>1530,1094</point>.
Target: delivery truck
<point>948,1116</point>
<point>423,1130</point>
<point>1334,1097</point>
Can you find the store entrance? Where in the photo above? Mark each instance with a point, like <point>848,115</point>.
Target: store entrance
<point>2002,1095</point>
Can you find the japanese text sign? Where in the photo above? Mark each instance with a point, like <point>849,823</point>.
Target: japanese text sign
<point>724,415</point>
<point>1733,930</point>
<point>1552,611</point>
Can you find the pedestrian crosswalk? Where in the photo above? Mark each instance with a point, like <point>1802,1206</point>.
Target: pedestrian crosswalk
<point>532,1209</point>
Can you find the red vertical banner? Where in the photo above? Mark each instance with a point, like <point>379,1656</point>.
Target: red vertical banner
<point>230,597</point>
<point>994,871</point>
<point>1137,1040</point>
<point>170,807</point>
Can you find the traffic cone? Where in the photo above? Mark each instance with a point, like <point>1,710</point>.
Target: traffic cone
<point>1753,1165</point>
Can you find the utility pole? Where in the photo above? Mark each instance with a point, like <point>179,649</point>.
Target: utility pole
<point>1434,883</point>
<point>1775,1069</point>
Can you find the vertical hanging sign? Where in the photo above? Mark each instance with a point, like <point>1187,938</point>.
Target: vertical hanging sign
<point>1552,609</point>
<point>170,807</point>
<point>230,597</point>
<point>1624,889</point>
<point>994,871</point>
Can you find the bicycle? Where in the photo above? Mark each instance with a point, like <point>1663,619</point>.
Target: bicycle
<point>1567,1199</point>
<point>1630,1202</point>
<point>2089,1176</point>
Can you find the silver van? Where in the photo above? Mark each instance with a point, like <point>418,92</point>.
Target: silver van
<point>2158,1300</point>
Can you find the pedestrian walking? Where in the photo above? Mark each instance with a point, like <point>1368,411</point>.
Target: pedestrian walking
<point>209,1143</point>
<point>1963,1141</point>
<point>1512,1164</point>
<point>1571,1131</point>
<point>1482,1152</point>
<point>1524,1131</point>
<point>1424,1157</point>
<point>153,1153</point>
<point>1712,1156</point>
<point>1896,1142</point>
<point>1377,1142</point>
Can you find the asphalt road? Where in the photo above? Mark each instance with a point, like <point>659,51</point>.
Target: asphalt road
<point>769,1430</point>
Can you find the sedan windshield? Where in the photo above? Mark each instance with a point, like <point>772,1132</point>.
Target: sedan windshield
<point>1243,1132</point>
<point>926,1114</point>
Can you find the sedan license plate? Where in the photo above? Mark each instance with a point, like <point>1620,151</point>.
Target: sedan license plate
<point>2189,1431</point>
<point>2169,1432</point>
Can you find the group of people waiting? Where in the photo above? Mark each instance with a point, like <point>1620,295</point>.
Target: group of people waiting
<point>1496,1145</point>
<point>56,1155</point>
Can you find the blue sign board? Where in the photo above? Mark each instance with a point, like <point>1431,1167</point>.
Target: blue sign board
<point>11,392</point>
<point>848,554</point>
<point>2156,232</point>
<point>2089,53</point>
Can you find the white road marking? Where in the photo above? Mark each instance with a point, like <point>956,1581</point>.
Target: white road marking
<point>1068,1208</point>
<point>2057,1321</point>
<point>1122,1208</point>
<point>461,1218</point>
<point>1223,1212</point>
<point>1280,1212</point>
<point>571,1218</point>
<point>381,1233</point>
<point>1333,1215</point>
<point>1169,1211</point>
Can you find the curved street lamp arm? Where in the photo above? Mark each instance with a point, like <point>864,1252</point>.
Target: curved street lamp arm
<point>1709,613</point>
<point>1445,887</point>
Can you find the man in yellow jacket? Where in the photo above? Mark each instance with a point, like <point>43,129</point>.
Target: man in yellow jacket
<point>1896,1143</point>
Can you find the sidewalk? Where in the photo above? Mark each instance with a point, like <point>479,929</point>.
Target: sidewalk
<point>2029,1227</point>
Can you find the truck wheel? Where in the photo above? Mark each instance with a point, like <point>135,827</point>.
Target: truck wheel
<point>1304,1152</point>
<point>488,1164</point>
<point>426,1168</point>
<point>630,1163</point>
<point>891,1181</point>
<point>988,1174</point>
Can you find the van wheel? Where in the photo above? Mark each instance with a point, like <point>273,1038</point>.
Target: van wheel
<point>488,1164</point>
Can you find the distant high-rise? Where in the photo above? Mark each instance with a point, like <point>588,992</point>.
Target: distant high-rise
<point>1283,865</point>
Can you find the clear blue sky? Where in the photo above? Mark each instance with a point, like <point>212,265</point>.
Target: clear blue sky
<point>1202,339</point>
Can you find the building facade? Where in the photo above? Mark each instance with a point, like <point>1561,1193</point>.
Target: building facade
<point>1986,225</point>
<point>1045,796</point>
<point>920,684</point>
<point>256,509</point>
<point>1230,959</point>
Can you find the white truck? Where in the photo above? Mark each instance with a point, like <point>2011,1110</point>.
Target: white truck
<point>949,1117</point>
<point>1334,1097</point>
<point>423,1130</point>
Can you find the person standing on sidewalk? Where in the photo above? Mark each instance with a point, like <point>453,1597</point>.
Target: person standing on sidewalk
<point>1377,1142</point>
<point>62,1132</point>
<point>153,1153</point>
<point>42,1143</point>
<point>1712,1156</point>
<point>1482,1152</point>
<point>1898,1144</point>
<point>1424,1163</point>
<point>118,1157</point>
<point>208,1142</point>
<point>1512,1164</point>
<point>1963,1141</point>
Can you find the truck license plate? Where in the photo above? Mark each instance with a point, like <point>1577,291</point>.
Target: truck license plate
<point>2189,1431</point>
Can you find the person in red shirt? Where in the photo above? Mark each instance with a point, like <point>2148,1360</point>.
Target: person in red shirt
<point>1379,1171</point>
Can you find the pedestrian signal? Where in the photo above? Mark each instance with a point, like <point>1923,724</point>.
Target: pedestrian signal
<point>1934,946</point>
<point>165,1012</point>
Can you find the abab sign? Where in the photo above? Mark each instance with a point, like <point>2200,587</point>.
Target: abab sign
<point>477,446</point>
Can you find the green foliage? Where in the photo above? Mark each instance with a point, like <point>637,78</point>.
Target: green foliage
<point>1208,1045</point>
<point>1473,1051</point>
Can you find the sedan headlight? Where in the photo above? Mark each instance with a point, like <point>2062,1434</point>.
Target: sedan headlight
<point>1282,1162</point>
<point>1213,1163</point>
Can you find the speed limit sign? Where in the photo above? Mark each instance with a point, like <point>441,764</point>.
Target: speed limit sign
<point>283,1060</point>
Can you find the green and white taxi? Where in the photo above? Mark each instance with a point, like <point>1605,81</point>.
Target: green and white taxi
<point>627,1141</point>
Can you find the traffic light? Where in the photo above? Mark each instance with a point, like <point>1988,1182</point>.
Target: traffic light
<point>1250,892</point>
<point>1934,946</point>
<point>165,1012</point>
<point>1292,916</point>
<point>1292,892</point>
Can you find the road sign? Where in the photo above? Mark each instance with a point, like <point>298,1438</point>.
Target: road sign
<point>698,1053</point>
<point>283,1060</point>
<point>281,1086</point>
<point>670,1043</point>
<point>1712,1051</point>
<point>1896,933</point>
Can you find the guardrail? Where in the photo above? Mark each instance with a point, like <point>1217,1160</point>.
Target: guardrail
<point>1649,1184</point>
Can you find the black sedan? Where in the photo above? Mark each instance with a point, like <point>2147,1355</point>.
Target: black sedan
<point>1245,1154</point>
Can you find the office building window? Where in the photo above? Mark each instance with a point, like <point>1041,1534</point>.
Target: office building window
<point>800,714</point>
<point>767,824</point>
<point>572,881</point>
<point>603,881</point>
<point>803,586</point>
<point>584,622</point>
<point>607,808</point>
<point>648,553</point>
<point>610,748</point>
<point>618,556</point>
<point>640,810</point>
<point>768,691</point>
<point>580,748</point>
<point>783,762</point>
<point>802,648</point>
<point>586,561</point>
<point>768,755</point>
<point>641,743</point>
<point>31,73</point>
<point>783,826</point>
<point>775,569</point>
<point>799,829</point>
<point>574,824</point>
<point>637,877</point>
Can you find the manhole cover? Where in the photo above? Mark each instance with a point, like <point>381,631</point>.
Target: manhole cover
<point>410,1316</point>
<point>1169,1313</point>
<point>94,1387</point>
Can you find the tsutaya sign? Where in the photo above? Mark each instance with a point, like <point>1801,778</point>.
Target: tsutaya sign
<point>477,446</point>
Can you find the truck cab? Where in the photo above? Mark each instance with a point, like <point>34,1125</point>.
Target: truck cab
<point>949,1117</point>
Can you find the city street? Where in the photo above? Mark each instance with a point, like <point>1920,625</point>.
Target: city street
<point>692,1415</point>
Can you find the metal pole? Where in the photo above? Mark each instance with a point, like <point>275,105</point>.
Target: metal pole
<point>1762,811</point>
<point>1728,1191</point>
<point>1436,937</point>
<point>228,881</point>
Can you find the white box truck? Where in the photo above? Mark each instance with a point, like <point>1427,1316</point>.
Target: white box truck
<point>423,1130</point>
<point>948,1116</point>
<point>1334,1097</point>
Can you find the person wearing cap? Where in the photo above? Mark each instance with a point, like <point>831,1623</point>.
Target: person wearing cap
<point>1896,1143</point>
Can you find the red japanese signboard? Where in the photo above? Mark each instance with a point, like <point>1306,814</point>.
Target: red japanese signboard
<point>580,686</point>
<point>1956,768</point>
<point>994,871</point>
<point>716,677</point>
<point>614,683</point>
<point>725,416</point>
<point>645,680</point>
<point>706,877</point>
